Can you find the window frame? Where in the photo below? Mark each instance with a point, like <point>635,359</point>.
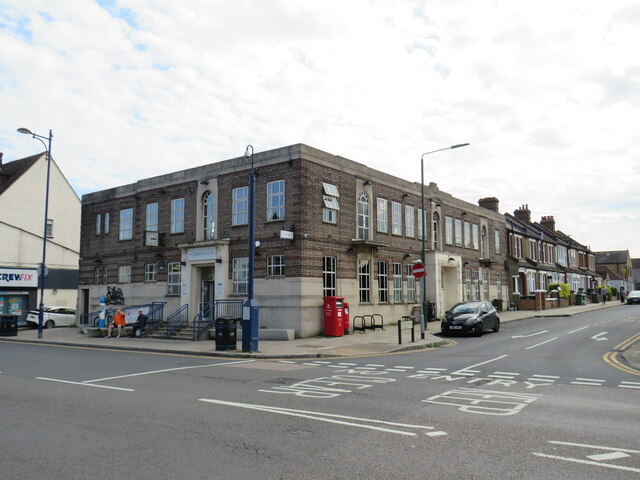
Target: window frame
<point>174,271</point>
<point>396,218</point>
<point>382,215</point>
<point>364,216</point>
<point>383,282</point>
<point>126,224</point>
<point>275,266</point>
<point>276,200</point>
<point>329,276</point>
<point>209,215</point>
<point>409,221</point>
<point>150,272</point>
<point>396,282</point>
<point>240,206</point>
<point>151,217</point>
<point>124,273</point>
<point>240,275</point>
<point>178,206</point>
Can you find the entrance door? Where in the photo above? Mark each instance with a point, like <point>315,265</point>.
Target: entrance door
<point>208,284</point>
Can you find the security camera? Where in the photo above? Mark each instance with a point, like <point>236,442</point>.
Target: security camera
<point>306,235</point>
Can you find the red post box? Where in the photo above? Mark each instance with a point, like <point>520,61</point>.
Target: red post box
<point>333,316</point>
<point>345,322</point>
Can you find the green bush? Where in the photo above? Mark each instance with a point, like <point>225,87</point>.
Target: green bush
<point>614,291</point>
<point>563,288</point>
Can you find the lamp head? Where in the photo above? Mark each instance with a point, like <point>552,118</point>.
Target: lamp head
<point>248,152</point>
<point>26,131</point>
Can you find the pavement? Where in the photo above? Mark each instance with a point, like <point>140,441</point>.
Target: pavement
<point>356,344</point>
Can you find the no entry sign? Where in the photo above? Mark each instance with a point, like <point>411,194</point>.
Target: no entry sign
<point>418,270</point>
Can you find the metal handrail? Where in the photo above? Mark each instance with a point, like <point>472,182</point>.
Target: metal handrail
<point>209,312</point>
<point>155,314</point>
<point>203,320</point>
<point>177,320</point>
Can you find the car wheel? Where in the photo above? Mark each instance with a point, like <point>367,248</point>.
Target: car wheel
<point>478,330</point>
<point>49,324</point>
<point>496,327</point>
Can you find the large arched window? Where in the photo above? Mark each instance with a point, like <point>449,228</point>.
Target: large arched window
<point>363,215</point>
<point>436,230</point>
<point>208,212</point>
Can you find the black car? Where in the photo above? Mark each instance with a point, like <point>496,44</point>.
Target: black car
<point>470,317</point>
<point>633,297</point>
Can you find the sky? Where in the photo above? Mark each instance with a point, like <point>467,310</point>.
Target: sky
<point>547,93</point>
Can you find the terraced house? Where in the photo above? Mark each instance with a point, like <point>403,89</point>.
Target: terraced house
<point>325,225</point>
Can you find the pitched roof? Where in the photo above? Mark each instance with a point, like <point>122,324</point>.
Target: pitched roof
<point>12,171</point>
<point>606,272</point>
<point>613,256</point>
<point>635,262</point>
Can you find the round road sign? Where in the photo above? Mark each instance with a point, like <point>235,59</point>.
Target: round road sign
<point>418,270</point>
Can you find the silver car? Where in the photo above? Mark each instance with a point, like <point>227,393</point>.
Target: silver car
<point>52,317</point>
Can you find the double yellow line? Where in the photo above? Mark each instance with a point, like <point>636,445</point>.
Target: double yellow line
<point>612,357</point>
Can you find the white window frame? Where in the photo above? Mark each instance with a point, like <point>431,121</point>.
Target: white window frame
<point>364,217</point>
<point>382,215</point>
<point>448,230</point>
<point>240,206</point>
<point>150,272</point>
<point>126,224</point>
<point>409,221</point>
<point>174,279</point>
<point>383,282</point>
<point>396,218</point>
<point>275,266</point>
<point>364,281</point>
<point>485,284</point>
<point>411,285</point>
<point>476,284</point>
<point>467,285</point>
<point>98,224</point>
<point>151,217</point>
<point>397,282</point>
<point>209,215</point>
<point>240,275</point>
<point>420,223</point>
<point>97,272</point>
<point>177,215</point>
<point>458,232</point>
<point>499,285</point>
<point>435,222</point>
<point>475,235</point>
<point>124,274</point>
<point>275,200</point>
<point>107,222</point>
<point>496,237</point>
<point>468,241</point>
<point>484,241</point>
<point>329,276</point>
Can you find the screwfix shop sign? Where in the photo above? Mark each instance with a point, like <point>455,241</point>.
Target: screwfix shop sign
<point>17,277</point>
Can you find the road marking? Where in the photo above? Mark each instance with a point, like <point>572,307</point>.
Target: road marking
<point>587,462</point>
<point>611,358</point>
<point>629,385</point>
<point>82,384</point>
<point>577,330</point>
<point>484,402</point>
<point>597,447</point>
<point>328,417</point>
<point>541,343</point>
<point>166,370</point>
<point>587,383</point>
<point>530,335</point>
<point>470,367</point>
<point>608,456</point>
<point>544,376</point>
<point>507,373</point>
<point>599,337</point>
<point>590,380</point>
<point>627,343</point>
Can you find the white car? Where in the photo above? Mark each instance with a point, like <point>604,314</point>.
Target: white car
<point>52,317</point>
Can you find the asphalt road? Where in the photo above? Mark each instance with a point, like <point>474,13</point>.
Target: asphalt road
<point>544,398</point>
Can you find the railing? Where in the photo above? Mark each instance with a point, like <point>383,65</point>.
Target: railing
<point>155,313</point>
<point>209,312</point>
<point>177,320</point>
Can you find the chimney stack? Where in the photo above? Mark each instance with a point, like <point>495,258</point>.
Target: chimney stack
<point>490,203</point>
<point>523,214</point>
<point>548,222</point>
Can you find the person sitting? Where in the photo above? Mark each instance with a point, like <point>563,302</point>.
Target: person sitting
<point>139,326</point>
<point>119,321</point>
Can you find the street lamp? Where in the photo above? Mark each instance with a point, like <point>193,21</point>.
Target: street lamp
<point>42,270</point>
<point>250,308</point>
<point>424,237</point>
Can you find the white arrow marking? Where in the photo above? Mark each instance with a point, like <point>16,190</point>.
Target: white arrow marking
<point>597,337</point>
<point>531,335</point>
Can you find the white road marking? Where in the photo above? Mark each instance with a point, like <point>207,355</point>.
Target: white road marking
<point>599,337</point>
<point>507,373</point>
<point>167,370</point>
<point>530,335</point>
<point>590,380</point>
<point>348,364</point>
<point>588,462</point>
<point>587,383</point>
<point>578,329</point>
<point>544,376</point>
<point>509,377</point>
<point>608,456</point>
<point>541,343</point>
<point>402,366</point>
<point>629,386</point>
<point>435,434</point>
<point>325,417</point>
<point>597,447</point>
<point>470,367</point>
<point>82,384</point>
<point>374,365</point>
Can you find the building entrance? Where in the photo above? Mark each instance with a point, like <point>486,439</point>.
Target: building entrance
<point>208,284</point>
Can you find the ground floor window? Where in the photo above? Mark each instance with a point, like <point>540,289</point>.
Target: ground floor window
<point>467,284</point>
<point>411,285</point>
<point>364,281</point>
<point>383,282</point>
<point>275,266</point>
<point>397,283</point>
<point>124,274</point>
<point>485,283</point>
<point>150,272</point>
<point>476,284</point>
<point>174,278</point>
<point>531,282</point>
<point>329,274</point>
<point>240,275</point>
<point>499,285</point>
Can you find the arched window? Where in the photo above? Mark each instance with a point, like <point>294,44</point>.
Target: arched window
<point>363,215</point>
<point>208,212</point>
<point>484,253</point>
<point>436,230</point>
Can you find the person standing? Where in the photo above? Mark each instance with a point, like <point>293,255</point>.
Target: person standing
<point>119,321</point>
<point>603,293</point>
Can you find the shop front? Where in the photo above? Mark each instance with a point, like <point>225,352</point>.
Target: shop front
<point>18,291</point>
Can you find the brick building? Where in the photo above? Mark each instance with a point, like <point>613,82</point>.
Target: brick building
<point>182,238</point>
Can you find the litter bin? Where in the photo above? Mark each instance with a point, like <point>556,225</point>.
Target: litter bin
<point>594,298</point>
<point>346,322</point>
<point>580,298</point>
<point>8,325</point>
<point>226,333</point>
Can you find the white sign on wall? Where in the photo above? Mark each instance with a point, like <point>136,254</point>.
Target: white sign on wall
<point>18,277</point>
<point>201,253</point>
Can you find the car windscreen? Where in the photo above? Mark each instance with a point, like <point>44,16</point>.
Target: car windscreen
<point>466,308</point>
<point>634,293</point>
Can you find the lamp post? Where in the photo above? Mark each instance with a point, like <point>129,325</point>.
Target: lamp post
<point>424,238</point>
<point>42,270</point>
<point>250,308</point>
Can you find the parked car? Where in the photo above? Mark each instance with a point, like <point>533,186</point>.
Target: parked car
<point>52,317</point>
<point>470,317</point>
<point>633,297</point>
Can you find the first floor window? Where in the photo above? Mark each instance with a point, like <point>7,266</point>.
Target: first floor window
<point>105,275</point>
<point>364,281</point>
<point>177,215</point>
<point>107,222</point>
<point>409,221</point>
<point>150,272</point>
<point>97,275</point>
<point>329,273</point>
<point>448,230</point>
<point>397,282</point>
<point>49,228</point>
<point>275,200</point>
<point>458,232</point>
<point>383,282</point>
<point>240,275</point>
<point>240,206</point>
<point>152,217</point>
<point>174,278</point>
<point>124,274</point>
<point>467,284</point>
<point>411,286</point>
<point>382,215</point>
<point>98,224</point>
<point>275,266</point>
<point>126,224</point>
<point>396,218</point>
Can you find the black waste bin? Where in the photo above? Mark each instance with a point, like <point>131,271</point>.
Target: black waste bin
<point>8,325</point>
<point>431,311</point>
<point>226,333</point>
